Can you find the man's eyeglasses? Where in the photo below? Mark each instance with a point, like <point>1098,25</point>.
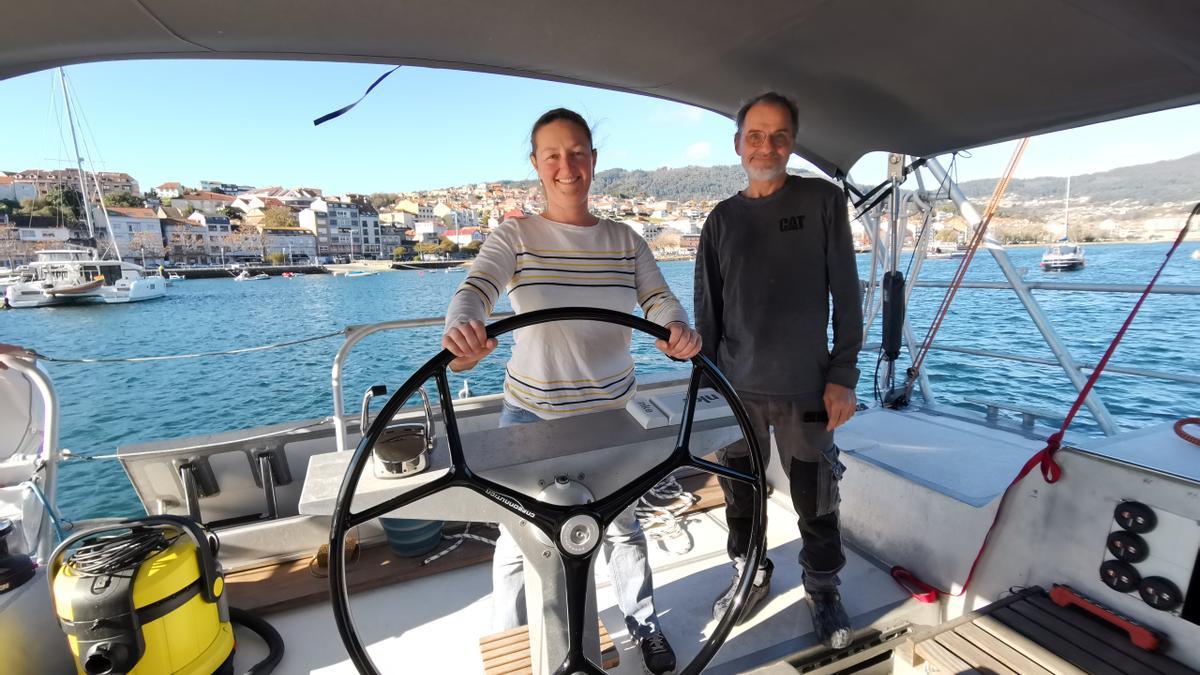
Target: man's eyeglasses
<point>779,139</point>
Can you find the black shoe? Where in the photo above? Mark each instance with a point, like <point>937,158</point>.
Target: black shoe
<point>758,592</point>
<point>657,656</point>
<point>829,618</point>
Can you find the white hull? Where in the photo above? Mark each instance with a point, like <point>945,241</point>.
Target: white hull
<point>34,294</point>
<point>1063,259</point>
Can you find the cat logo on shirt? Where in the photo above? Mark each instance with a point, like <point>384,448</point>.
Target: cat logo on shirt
<point>791,223</point>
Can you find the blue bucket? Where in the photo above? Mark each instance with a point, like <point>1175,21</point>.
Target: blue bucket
<point>410,538</point>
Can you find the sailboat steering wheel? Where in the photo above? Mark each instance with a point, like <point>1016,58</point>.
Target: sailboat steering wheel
<point>554,521</point>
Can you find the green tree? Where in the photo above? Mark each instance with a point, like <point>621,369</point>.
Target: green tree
<point>187,210</point>
<point>278,216</point>
<point>445,246</point>
<point>472,248</point>
<point>426,248</point>
<point>9,206</point>
<point>378,199</point>
<point>124,199</point>
<point>232,213</point>
<point>946,234</point>
<point>276,258</point>
<point>399,252</point>
<point>60,202</point>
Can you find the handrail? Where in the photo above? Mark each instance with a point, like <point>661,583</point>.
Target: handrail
<point>356,333</point>
<point>1021,358</point>
<point>1163,289</point>
<point>50,452</point>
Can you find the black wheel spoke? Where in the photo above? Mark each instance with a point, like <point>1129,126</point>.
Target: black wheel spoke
<point>611,506</point>
<point>543,516</point>
<point>722,471</point>
<point>684,440</point>
<point>449,421</point>
<point>383,508</point>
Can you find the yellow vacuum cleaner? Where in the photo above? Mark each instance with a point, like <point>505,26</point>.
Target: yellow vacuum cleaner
<point>143,597</point>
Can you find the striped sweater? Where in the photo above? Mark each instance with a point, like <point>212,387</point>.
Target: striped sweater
<point>566,367</point>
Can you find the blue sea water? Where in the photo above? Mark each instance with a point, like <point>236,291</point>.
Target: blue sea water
<point>108,405</point>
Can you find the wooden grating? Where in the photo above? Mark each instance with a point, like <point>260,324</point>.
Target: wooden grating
<point>507,653</point>
<point>1028,634</point>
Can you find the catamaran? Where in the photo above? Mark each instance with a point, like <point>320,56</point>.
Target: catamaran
<point>67,276</point>
<point>1096,572</point>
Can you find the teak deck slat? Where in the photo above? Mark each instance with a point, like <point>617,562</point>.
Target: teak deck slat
<point>1029,633</point>
<point>942,659</point>
<point>974,656</point>
<point>1000,650</point>
<point>507,653</point>
<point>288,585</point>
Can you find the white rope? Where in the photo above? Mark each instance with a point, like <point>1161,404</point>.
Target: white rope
<point>663,522</point>
<point>196,355</point>
<point>458,540</point>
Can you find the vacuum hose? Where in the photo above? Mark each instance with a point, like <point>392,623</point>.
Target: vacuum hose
<point>268,634</point>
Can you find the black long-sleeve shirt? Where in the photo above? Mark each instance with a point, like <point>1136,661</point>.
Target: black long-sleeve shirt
<point>766,270</point>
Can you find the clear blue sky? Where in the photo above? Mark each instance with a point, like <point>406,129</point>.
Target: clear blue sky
<point>250,122</point>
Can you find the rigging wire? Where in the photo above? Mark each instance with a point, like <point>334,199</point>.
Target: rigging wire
<point>965,263</point>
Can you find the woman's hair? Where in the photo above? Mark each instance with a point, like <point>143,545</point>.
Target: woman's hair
<point>554,116</point>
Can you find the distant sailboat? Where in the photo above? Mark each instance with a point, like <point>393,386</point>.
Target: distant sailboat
<point>1064,256</point>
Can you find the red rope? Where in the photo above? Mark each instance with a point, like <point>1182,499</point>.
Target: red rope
<point>1051,471</point>
<point>1185,435</point>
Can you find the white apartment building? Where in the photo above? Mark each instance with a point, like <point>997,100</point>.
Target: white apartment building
<point>17,191</point>
<point>298,243</point>
<point>136,232</point>
<point>464,236</point>
<point>430,231</point>
<point>338,228</point>
<point>212,203</point>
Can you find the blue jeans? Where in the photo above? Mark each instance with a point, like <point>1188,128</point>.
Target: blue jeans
<point>624,552</point>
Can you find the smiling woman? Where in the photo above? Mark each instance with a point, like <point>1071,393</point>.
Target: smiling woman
<point>567,257</point>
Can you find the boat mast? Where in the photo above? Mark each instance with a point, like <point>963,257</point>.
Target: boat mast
<point>87,213</point>
<point>1067,212</point>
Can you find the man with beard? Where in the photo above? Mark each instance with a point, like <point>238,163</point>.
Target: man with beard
<point>770,259</point>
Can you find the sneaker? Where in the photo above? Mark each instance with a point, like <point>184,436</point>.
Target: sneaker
<point>829,618</point>
<point>657,656</point>
<point>758,592</point>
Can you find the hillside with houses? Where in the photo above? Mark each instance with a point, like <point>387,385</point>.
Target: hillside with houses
<point>216,223</point>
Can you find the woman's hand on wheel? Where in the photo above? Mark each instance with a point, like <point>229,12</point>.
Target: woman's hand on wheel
<point>683,344</point>
<point>469,342</point>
